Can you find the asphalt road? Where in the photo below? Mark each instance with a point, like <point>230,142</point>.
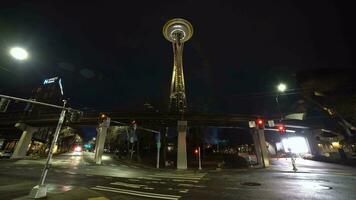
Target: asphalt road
<point>113,180</point>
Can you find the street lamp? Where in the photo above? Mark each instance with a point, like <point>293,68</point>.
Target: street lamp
<point>18,53</point>
<point>282,87</point>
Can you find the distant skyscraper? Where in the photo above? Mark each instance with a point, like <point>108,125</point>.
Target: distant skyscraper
<point>51,91</point>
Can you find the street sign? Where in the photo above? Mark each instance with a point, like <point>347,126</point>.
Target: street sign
<point>50,80</point>
<point>270,123</point>
<point>252,124</point>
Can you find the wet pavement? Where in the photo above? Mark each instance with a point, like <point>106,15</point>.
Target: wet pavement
<point>76,177</point>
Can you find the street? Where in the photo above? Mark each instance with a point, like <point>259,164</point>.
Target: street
<point>76,177</point>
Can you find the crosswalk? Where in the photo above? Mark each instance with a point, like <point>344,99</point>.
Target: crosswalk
<point>170,186</point>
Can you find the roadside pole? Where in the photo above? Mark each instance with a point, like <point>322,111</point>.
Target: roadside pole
<point>158,149</point>
<point>40,190</point>
<point>199,155</point>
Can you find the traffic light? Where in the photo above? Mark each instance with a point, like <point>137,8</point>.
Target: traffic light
<point>4,103</point>
<point>196,151</point>
<point>260,123</point>
<point>281,128</point>
<point>102,118</point>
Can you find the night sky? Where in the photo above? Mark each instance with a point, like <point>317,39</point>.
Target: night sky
<point>114,56</point>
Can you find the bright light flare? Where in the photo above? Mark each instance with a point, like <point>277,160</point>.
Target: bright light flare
<point>295,145</point>
<point>78,149</point>
<point>282,87</point>
<point>18,53</point>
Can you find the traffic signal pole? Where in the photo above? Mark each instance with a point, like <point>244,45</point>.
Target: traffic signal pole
<point>40,190</point>
<point>36,102</point>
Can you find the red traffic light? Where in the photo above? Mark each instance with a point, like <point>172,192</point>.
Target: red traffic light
<point>281,128</point>
<point>196,151</point>
<point>102,117</point>
<point>260,123</point>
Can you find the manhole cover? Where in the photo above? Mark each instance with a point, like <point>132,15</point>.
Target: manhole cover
<point>251,183</point>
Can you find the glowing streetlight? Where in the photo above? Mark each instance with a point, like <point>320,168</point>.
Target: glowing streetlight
<point>19,53</point>
<point>282,87</point>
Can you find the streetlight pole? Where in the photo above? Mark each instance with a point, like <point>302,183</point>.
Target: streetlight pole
<point>40,190</point>
<point>281,89</point>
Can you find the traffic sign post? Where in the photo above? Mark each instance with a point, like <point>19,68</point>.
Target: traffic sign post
<point>158,148</point>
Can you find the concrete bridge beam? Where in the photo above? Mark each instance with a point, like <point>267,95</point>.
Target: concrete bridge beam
<point>25,140</point>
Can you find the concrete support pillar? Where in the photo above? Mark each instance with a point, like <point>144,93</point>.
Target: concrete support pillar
<point>25,140</point>
<point>312,142</point>
<point>257,145</point>
<point>100,140</point>
<point>265,156</point>
<point>182,145</point>
<point>260,147</point>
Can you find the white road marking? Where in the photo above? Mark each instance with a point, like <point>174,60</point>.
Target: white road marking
<point>180,180</point>
<point>149,178</point>
<point>148,188</point>
<point>137,186</point>
<point>191,185</point>
<point>175,176</point>
<point>137,193</point>
<point>184,191</point>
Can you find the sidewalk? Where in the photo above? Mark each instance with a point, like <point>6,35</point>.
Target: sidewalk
<point>78,193</point>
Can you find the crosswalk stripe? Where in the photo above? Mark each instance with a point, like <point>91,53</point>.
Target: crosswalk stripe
<point>137,193</point>
<point>191,185</point>
<point>175,177</point>
<point>149,178</point>
<point>137,186</point>
<point>182,180</point>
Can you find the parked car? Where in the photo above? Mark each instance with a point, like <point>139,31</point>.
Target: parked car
<point>5,154</point>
